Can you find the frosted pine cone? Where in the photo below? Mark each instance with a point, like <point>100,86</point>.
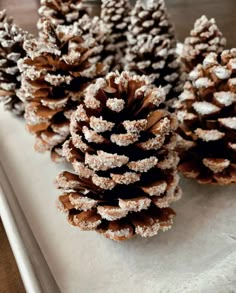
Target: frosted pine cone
<point>207,112</point>
<point>95,27</point>
<point>11,50</point>
<point>204,38</point>
<point>152,46</point>
<point>61,12</point>
<point>116,16</point>
<point>54,75</point>
<point>122,151</point>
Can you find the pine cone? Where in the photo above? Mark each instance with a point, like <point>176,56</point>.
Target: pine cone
<point>116,16</point>
<point>207,112</point>
<point>54,75</point>
<point>204,38</point>
<point>152,47</point>
<point>11,50</point>
<point>95,27</point>
<point>121,149</point>
<point>61,12</point>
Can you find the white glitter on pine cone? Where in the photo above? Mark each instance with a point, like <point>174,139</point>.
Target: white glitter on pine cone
<point>148,231</point>
<point>232,146</point>
<point>118,234</point>
<point>144,165</point>
<point>209,135</point>
<point>53,138</point>
<point>221,72</point>
<point>162,127</point>
<point>110,213</point>
<point>116,105</point>
<point>210,60</point>
<point>92,136</point>
<point>135,126</point>
<point>124,139</point>
<point>203,82</point>
<point>155,189</point>
<point>82,202</point>
<point>103,182</point>
<point>216,165</point>
<point>126,178</point>
<point>78,143</point>
<point>229,122</point>
<point>80,114</point>
<point>153,143</point>
<point>82,170</point>
<point>100,125</point>
<point>225,98</point>
<point>205,108</point>
<point>86,224</point>
<point>170,161</point>
<point>104,161</point>
<point>63,128</point>
<point>136,204</point>
<point>63,182</point>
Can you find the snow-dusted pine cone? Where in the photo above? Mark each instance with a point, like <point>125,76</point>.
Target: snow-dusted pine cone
<point>95,27</point>
<point>152,46</point>
<point>122,151</point>
<point>204,38</point>
<point>11,50</point>
<point>54,75</point>
<point>207,112</point>
<point>116,16</point>
<point>63,12</point>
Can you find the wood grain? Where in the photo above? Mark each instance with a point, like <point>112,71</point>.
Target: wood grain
<point>183,13</point>
<point>10,281</point>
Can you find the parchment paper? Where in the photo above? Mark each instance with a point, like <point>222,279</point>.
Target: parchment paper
<point>197,255</point>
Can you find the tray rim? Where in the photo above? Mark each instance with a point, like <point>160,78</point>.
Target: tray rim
<point>11,215</point>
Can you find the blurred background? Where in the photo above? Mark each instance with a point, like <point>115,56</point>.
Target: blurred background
<point>183,14</point>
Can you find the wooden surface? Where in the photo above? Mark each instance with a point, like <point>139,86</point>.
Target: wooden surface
<point>10,281</point>
<point>183,12</point>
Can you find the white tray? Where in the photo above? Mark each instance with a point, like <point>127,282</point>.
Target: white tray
<point>197,255</point>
